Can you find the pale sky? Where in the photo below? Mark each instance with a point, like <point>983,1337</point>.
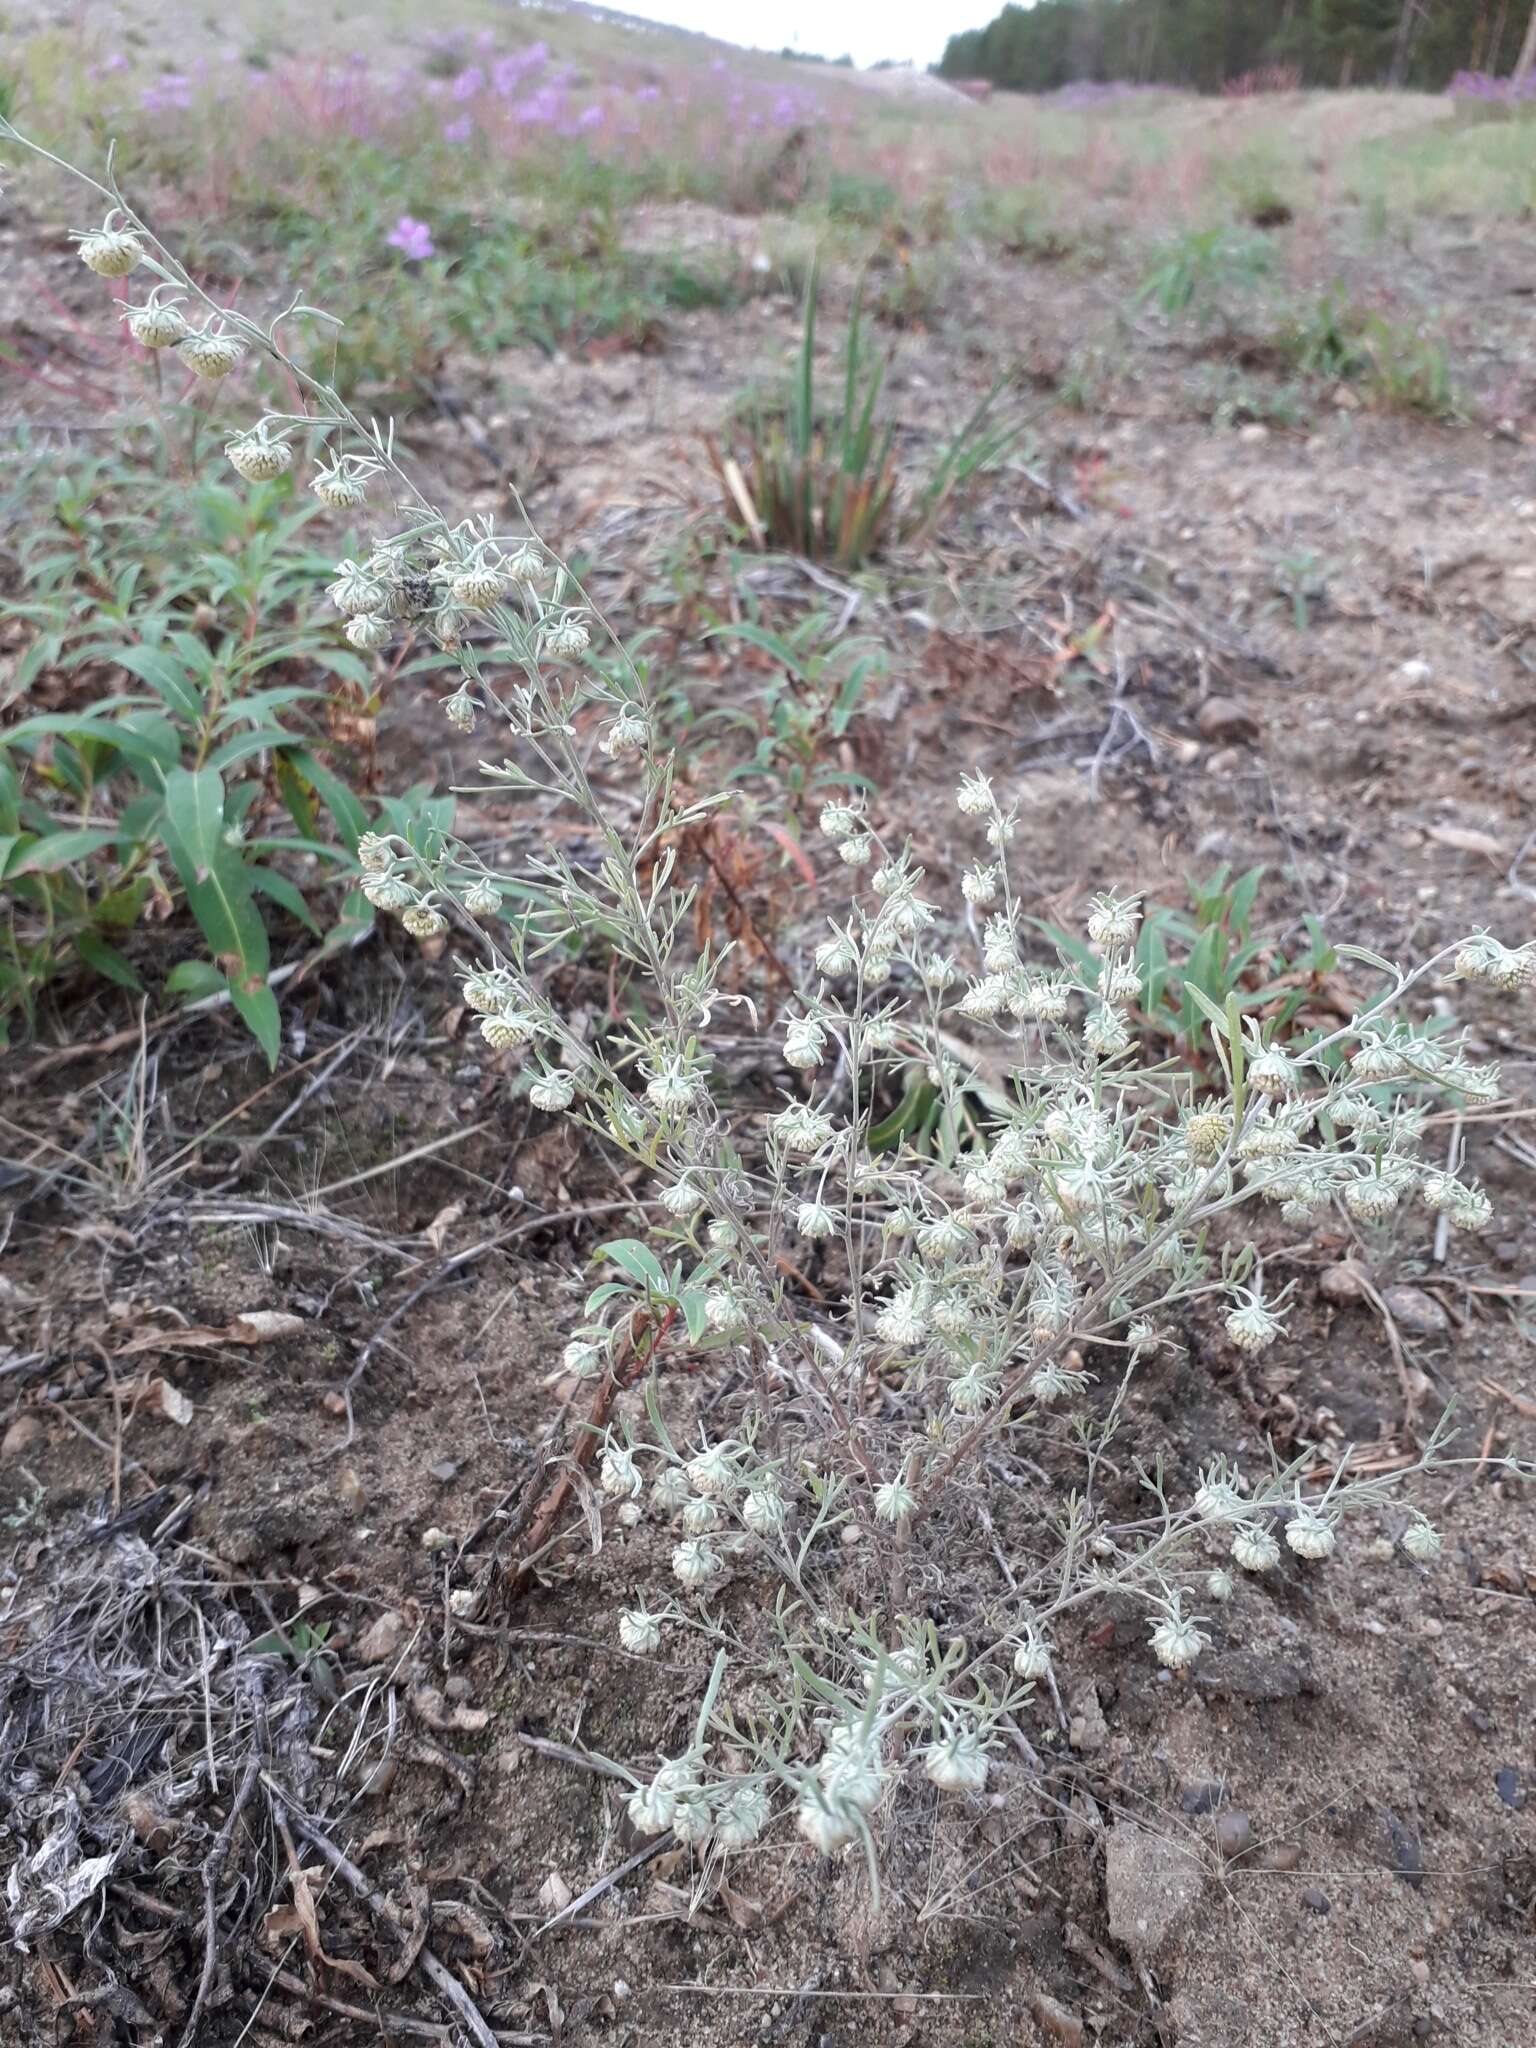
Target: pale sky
<point>911,31</point>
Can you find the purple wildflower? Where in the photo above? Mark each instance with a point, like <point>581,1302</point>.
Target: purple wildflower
<point>468,83</point>
<point>459,130</point>
<point>413,238</point>
<point>170,93</point>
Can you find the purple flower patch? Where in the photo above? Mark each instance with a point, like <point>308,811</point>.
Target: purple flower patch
<point>413,238</point>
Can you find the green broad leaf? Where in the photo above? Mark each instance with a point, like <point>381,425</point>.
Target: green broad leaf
<point>265,739</point>
<point>695,1314</point>
<point>166,676</point>
<point>196,980</point>
<point>295,795</point>
<point>344,807</point>
<point>635,1259</point>
<point>106,961</point>
<point>194,821</point>
<point>257,1009</point>
<point>138,743</point>
<point>1214,1016</point>
<point>267,882</point>
<point>263,704</point>
<point>60,850</point>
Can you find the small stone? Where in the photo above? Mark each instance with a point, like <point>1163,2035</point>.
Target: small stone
<point>1407,1851</point>
<point>24,1435</point>
<point>1056,2020</point>
<point>381,1639</point>
<point>1087,1730</point>
<point>1225,720</point>
<point>1418,1969</point>
<point>1234,1834</point>
<point>1316,1901</point>
<point>1254,432</point>
<point>1281,1856</point>
<point>1347,1281</point>
<point>1416,1312</point>
<point>444,1470</point>
<point>349,1491</point>
<point>1152,1884</point>
<point>436,1539</point>
<point>1247,1675</point>
<point>1506,1783</point>
<point>1415,671</point>
<point>554,1893</point>
<point>1203,1797</point>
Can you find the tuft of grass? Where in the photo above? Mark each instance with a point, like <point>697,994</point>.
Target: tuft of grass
<point>824,483</point>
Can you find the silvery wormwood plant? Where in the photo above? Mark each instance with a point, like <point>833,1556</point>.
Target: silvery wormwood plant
<point>1086,1203</point>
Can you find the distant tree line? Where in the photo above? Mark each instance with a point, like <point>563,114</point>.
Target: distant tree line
<point>1210,44</point>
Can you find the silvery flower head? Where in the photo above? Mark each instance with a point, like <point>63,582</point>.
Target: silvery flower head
<point>553,1091</point>
<point>978,885</point>
<point>639,1631</point>
<point>801,1130</point>
<point>764,1511</point>
<point>973,1391</point>
<point>1421,1540</point>
<point>1218,1498</point>
<point>1370,1199</point>
<point>568,637</point>
<point>857,851</point>
<point>1310,1534</point>
<point>700,1517</point>
<point>902,1321</point>
<point>1273,1072</point>
<point>1032,1659</point>
<point>630,733</point>
<point>894,1501</point>
<point>1177,1640</point>
<point>1254,1549</point>
<point>956,1761</point>
<point>1106,1033</point>
<point>670,1490</point>
<point>1112,921</point>
<point>974,796</point>
<point>805,1043</point>
<point>837,956</point>
<point>583,1358</point>
<point>651,1807</point>
<point>742,1817</point>
<point>619,1475</point>
<point>694,1562</point>
<point>828,1825</point>
<point>985,998</point>
<point>814,1219</point>
<point>840,821</point>
<point>1121,982</point>
<point>713,1472</point>
<point>1000,945</point>
<point>1252,1327</point>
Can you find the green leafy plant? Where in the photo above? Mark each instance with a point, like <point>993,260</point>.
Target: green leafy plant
<point>1214,953</point>
<point>213,784</point>
<point>814,687</point>
<point>1194,274</point>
